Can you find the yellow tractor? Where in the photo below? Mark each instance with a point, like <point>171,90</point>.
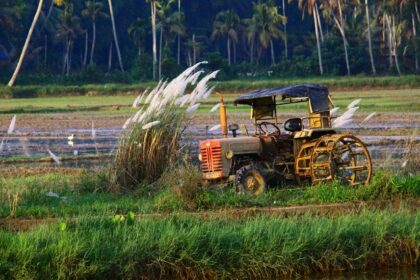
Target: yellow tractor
<point>307,149</point>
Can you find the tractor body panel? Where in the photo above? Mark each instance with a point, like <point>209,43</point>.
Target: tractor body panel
<point>217,155</point>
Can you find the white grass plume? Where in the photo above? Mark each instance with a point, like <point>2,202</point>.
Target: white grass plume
<point>54,157</point>
<point>354,103</point>
<point>193,108</point>
<point>347,117</point>
<point>334,111</point>
<point>404,164</point>
<point>12,125</point>
<point>150,125</point>
<point>127,123</point>
<point>1,144</point>
<point>215,107</point>
<point>216,127</point>
<point>369,117</point>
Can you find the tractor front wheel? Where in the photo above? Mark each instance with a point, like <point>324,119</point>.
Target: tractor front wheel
<point>250,179</point>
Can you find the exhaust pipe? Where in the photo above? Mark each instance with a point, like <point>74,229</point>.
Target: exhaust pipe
<point>223,118</point>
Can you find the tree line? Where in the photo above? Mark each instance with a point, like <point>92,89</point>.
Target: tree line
<point>156,38</point>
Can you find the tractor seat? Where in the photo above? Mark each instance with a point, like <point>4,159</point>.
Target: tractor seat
<point>293,125</point>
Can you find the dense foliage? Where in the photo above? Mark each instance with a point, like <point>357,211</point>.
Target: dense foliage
<point>243,38</point>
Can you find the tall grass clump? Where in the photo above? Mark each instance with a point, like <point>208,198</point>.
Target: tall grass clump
<point>189,247</point>
<point>151,141</point>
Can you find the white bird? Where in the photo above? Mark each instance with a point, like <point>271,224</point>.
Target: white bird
<point>12,125</point>
<point>54,157</point>
<point>71,137</point>
<point>71,143</point>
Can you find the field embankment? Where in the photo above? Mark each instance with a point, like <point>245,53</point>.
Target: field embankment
<point>233,86</point>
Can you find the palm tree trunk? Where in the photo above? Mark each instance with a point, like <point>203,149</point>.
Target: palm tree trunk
<point>252,51</point>
<point>318,19</point>
<point>153,15</point>
<point>415,42</point>
<point>48,14</point>
<point>85,55</point>
<point>228,50</point>
<point>343,34</point>
<point>194,50</point>
<point>114,31</point>
<point>92,49</point>
<point>69,57</point>
<point>160,53</point>
<point>45,50</point>
<point>25,46</point>
<point>388,38</point>
<point>346,55</point>
<point>66,57</point>
<point>273,61</point>
<point>179,37</point>
<point>318,45</point>
<point>372,62</point>
<point>285,31</point>
<point>394,42</point>
<point>110,58</point>
<point>234,53</point>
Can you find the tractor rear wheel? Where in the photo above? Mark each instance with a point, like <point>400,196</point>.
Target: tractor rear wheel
<point>342,157</point>
<point>250,179</point>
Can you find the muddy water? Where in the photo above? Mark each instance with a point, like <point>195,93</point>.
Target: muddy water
<point>26,149</point>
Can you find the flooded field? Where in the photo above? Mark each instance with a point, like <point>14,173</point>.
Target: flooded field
<point>95,139</point>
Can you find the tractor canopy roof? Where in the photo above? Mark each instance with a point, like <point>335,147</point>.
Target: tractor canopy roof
<point>317,95</point>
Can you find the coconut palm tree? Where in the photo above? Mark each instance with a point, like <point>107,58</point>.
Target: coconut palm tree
<point>67,31</point>
<point>265,25</point>
<point>168,23</point>
<point>114,32</point>
<point>92,11</point>
<point>285,29</point>
<point>335,9</point>
<point>310,7</point>
<point>227,23</point>
<point>137,32</point>
<point>372,62</point>
<point>154,5</point>
<point>25,46</point>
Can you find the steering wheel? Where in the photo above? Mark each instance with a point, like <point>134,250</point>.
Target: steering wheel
<point>269,129</point>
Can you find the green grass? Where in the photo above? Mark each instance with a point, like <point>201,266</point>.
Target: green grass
<point>240,85</point>
<point>86,195</point>
<point>404,100</point>
<point>180,247</point>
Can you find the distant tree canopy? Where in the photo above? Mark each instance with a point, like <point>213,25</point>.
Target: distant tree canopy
<point>243,38</point>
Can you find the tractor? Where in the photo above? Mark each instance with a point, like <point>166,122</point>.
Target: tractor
<point>307,150</point>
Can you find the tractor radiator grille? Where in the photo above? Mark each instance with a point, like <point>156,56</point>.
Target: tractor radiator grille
<point>211,159</point>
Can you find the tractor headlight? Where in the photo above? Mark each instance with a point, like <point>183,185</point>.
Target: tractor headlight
<point>200,158</point>
<point>229,154</point>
